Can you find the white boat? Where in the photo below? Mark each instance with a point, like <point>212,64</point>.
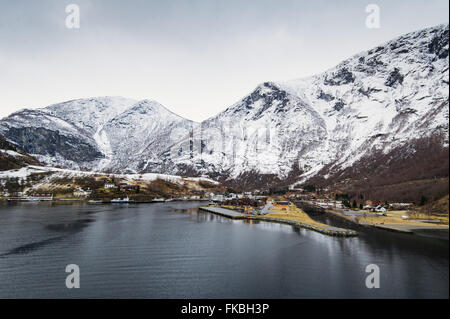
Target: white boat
<point>169,200</point>
<point>31,199</point>
<point>121,201</point>
<point>22,199</point>
<point>158,200</point>
<point>92,201</point>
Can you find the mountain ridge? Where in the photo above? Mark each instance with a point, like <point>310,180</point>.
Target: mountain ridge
<point>84,123</point>
<point>288,131</point>
<point>374,100</point>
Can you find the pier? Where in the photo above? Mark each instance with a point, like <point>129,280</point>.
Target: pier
<point>224,212</point>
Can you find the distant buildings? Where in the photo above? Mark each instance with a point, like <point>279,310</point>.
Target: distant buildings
<point>123,187</point>
<point>218,198</point>
<point>79,192</point>
<point>3,191</point>
<point>129,188</point>
<point>401,206</point>
<point>380,209</point>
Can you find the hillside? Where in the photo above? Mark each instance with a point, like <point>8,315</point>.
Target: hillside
<point>376,101</point>
<point>13,158</point>
<point>62,183</point>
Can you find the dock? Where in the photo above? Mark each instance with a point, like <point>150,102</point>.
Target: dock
<point>326,230</point>
<point>224,212</point>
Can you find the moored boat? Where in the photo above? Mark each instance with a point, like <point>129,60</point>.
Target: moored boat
<point>32,198</point>
<point>125,200</point>
<point>92,201</point>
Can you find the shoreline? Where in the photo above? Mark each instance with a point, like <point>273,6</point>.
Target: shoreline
<point>85,201</point>
<point>435,231</point>
<point>432,231</point>
<point>327,230</point>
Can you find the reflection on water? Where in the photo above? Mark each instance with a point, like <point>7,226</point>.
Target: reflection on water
<point>172,250</point>
<point>27,248</point>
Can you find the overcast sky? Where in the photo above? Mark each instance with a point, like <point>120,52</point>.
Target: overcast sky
<point>196,57</point>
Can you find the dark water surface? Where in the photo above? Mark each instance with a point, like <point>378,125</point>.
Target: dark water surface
<point>172,250</point>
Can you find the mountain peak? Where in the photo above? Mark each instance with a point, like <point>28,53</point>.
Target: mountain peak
<point>377,99</point>
<point>147,105</point>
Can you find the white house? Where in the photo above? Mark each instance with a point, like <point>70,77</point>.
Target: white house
<point>79,192</point>
<point>218,198</point>
<point>110,185</point>
<point>380,209</point>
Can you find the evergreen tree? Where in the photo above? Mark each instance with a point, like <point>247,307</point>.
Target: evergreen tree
<point>346,203</point>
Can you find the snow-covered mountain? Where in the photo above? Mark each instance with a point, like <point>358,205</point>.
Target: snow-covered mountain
<point>106,133</point>
<point>136,138</point>
<point>376,100</point>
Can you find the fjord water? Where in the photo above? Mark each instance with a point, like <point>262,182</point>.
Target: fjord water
<point>173,250</point>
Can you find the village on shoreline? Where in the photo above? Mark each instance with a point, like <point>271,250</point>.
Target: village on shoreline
<point>296,207</point>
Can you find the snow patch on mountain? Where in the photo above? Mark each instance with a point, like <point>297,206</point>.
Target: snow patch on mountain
<point>25,172</point>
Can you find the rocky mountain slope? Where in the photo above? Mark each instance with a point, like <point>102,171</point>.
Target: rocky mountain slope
<point>375,101</point>
<point>138,136</point>
<point>63,182</point>
<point>13,158</point>
<point>106,133</point>
<point>282,132</point>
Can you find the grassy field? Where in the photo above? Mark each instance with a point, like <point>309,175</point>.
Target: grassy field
<point>292,213</point>
<point>388,220</point>
<point>396,218</point>
<point>418,215</point>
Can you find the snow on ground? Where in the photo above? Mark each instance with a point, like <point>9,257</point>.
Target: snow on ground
<point>22,173</point>
<point>11,153</point>
<point>148,177</point>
